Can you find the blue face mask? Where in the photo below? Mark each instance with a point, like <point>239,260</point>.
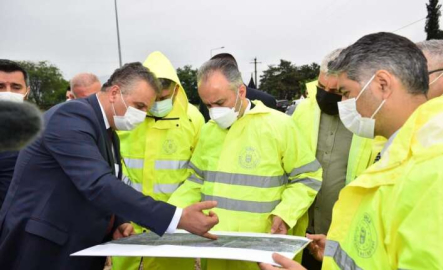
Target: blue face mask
<point>162,108</point>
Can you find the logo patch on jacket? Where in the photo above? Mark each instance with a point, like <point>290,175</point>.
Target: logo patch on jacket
<point>365,237</point>
<point>249,158</point>
<point>169,147</point>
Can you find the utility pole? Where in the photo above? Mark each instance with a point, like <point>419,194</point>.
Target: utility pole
<point>118,35</point>
<point>255,68</point>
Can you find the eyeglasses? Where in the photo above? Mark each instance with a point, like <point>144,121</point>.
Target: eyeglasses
<point>434,71</point>
<point>438,77</point>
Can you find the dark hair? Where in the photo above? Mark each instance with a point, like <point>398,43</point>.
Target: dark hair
<point>226,67</point>
<point>9,66</point>
<point>225,56</point>
<point>387,51</point>
<point>128,74</point>
<point>165,83</point>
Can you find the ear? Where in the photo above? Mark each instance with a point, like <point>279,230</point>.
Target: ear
<point>113,92</point>
<point>242,91</point>
<point>28,89</point>
<point>386,82</point>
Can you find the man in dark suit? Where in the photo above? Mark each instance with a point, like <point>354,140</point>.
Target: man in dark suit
<point>64,192</point>
<point>13,87</point>
<point>251,93</point>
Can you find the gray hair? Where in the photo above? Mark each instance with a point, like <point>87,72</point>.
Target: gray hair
<point>434,50</point>
<point>387,51</point>
<point>130,73</point>
<point>227,67</point>
<point>329,58</point>
<point>83,80</point>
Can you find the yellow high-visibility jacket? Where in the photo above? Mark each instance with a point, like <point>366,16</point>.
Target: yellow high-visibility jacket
<point>257,168</point>
<point>156,154</point>
<point>391,216</point>
<point>307,118</point>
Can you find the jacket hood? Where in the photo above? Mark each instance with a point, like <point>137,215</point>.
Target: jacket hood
<point>160,65</point>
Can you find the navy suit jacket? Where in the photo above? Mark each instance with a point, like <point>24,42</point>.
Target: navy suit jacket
<point>64,192</point>
<point>7,164</point>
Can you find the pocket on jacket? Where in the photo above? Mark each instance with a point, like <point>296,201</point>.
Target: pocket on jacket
<point>47,231</point>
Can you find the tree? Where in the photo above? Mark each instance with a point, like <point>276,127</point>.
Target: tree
<point>287,81</point>
<point>47,84</point>
<point>188,79</point>
<point>432,27</point>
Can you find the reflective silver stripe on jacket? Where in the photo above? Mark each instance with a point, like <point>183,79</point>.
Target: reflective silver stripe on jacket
<point>195,179</point>
<point>196,170</point>
<point>170,164</point>
<point>245,179</point>
<point>309,182</point>
<point>165,188</point>
<point>239,179</point>
<point>341,258</point>
<point>136,186</point>
<point>134,163</point>
<point>310,167</point>
<point>240,205</point>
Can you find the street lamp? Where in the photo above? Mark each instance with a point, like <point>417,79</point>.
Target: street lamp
<point>219,48</point>
<point>118,35</point>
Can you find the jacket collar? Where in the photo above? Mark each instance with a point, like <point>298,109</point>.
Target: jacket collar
<point>258,108</point>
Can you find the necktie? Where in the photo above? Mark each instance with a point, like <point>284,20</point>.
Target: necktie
<point>112,220</point>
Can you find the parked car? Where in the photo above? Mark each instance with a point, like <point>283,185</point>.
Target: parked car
<point>290,110</point>
<point>282,105</point>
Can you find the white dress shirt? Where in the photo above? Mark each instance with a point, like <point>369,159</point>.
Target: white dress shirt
<point>178,211</point>
<point>388,143</point>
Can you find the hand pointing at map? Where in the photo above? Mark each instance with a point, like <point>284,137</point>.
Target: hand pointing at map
<point>195,221</point>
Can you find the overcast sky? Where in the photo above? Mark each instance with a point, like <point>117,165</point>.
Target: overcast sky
<point>80,36</point>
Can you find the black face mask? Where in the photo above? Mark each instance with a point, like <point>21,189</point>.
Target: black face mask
<point>327,101</point>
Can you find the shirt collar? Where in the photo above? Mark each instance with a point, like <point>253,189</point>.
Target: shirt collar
<point>248,108</point>
<point>105,119</point>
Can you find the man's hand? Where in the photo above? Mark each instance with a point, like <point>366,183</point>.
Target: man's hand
<point>195,221</point>
<point>278,226</point>
<point>286,263</point>
<point>317,246</point>
<point>123,230</point>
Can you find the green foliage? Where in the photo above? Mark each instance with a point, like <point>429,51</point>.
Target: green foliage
<point>287,81</point>
<point>188,79</point>
<point>47,84</point>
<point>432,27</point>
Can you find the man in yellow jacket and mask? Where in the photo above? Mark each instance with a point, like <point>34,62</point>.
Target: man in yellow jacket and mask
<point>433,50</point>
<point>250,160</point>
<point>156,154</point>
<point>343,156</point>
<point>391,216</point>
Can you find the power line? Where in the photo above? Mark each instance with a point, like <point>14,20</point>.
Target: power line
<point>401,28</point>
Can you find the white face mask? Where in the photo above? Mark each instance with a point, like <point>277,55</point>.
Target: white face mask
<point>355,122</point>
<point>10,96</point>
<point>225,116</point>
<point>162,108</point>
<point>131,119</point>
